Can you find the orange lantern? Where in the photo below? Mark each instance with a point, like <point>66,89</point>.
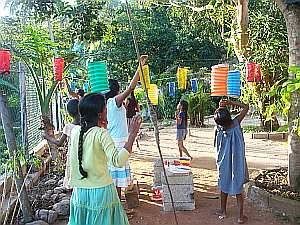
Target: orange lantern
<point>219,76</point>
<point>58,67</point>
<point>4,61</point>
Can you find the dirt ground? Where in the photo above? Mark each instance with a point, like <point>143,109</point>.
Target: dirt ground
<point>261,154</point>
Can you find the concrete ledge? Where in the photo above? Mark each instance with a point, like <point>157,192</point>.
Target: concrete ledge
<point>282,206</point>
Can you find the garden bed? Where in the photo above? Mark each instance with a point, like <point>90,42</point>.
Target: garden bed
<point>270,190</point>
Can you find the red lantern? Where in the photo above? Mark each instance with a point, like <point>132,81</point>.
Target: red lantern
<point>253,72</point>
<point>58,67</point>
<point>4,61</point>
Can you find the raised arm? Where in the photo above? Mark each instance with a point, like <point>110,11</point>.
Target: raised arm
<point>242,113</point>
<point>122,96</point>
<point>59,142</point>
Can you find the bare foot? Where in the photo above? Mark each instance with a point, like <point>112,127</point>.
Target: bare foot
<point>221,214</point>
<point>242,220</point>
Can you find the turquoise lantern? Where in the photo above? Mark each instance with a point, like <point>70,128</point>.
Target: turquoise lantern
<point>234,83</point>
<point>97,72</point>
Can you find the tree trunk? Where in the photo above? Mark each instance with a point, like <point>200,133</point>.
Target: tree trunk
<point>48,128</point>
<point>12,147</point>
<point>291,14</point>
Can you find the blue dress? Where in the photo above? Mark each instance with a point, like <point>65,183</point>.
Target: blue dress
<point>231,161</point>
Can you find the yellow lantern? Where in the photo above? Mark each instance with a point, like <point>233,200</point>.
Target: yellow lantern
<point>181,77</point>
<point>146,76</point>
<point>153,94</point>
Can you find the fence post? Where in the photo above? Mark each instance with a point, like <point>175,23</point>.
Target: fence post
<point>22,88</point>
<point>12,147</point>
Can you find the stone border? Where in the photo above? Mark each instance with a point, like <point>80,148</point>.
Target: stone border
<point>280,206</point>
<point>274,136</point>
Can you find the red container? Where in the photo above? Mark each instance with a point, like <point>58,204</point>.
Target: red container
<point>253,72</point>
<point>4,61</point>
<point>58,67</point>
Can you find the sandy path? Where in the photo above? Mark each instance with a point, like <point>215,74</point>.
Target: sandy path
<point>261,154</point>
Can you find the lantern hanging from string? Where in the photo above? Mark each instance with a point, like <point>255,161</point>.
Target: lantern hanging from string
<point>145,75</point>
<point>73,85</point>
<point>172,89</point>
<point>58,68</point>
<point>181,77</point>
<point>253,72</point>
<point>234,83</point>
<point>219,75</point>
<point>4,61</point>
<point>97,72</point>
<point>86,86</point>
<point>194,85</point>
<point>153,94</point>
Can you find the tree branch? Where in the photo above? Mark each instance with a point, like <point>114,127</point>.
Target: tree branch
<point>195,9</point>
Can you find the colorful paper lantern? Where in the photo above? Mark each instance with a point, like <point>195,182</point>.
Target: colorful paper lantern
<point>253,72</point>
<point>234,83</point>
<point>145,77</point>
<point>181,77</point>
<point>73,85</point>
<point>194,85</point>
<point>172,89</point>
<point>153,94</point>
<point>58,68</point>
<point>86,86</point>
<point>4,61</point>
<point>97,72</point>
<point>219,75</point>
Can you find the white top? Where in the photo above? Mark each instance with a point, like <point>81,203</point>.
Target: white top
<point>68,129</point>
<point>117,122</point>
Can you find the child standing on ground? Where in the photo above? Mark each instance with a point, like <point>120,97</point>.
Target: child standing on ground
<point>72,109</point>
<point>94,198</point>
<point>181,126</point>
<point>231,161</point>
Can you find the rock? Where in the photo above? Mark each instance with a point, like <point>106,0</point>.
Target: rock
<point>49,216</point>
<point>38,222</point>
<point>59,190</point>
<point>51,182</point>
<point>49,192</point>
<point>54,197</point>
<point>60,182</point>
<point>62,208</point>
<point>46,197</point>
<point>66,198</point>
<point>62,195</point>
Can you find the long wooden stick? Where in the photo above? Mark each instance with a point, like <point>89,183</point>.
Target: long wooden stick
<point>153,114</point>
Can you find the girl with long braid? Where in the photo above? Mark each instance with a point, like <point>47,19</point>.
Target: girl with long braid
<point>94,199</point>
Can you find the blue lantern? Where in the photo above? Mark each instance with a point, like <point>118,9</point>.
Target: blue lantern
<point>172,89</point>
<point>194,85</point>
<point>234,83</point>
<point>73,86</point>
<point>86,86</point>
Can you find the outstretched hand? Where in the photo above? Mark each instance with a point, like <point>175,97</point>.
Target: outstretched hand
<point>135,125</point>
<point>143,59</point>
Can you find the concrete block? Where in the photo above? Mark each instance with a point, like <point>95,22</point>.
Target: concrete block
<point>180,178</point>
<point>179,206</point>
<point>180,193</point>
<point>258,196</point>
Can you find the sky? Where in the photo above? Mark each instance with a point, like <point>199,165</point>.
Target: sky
<point>3,12</point>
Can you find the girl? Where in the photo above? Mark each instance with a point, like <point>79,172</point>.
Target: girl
<point>117,125</point>
<point>72,109</point>
<point>231,161</point>
<point>181,125</point>
<point>94,199</point>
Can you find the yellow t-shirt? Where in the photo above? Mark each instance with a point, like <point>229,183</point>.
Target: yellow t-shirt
<point>98,151</point>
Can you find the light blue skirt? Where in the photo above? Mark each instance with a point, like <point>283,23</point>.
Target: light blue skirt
<point>96,206</point>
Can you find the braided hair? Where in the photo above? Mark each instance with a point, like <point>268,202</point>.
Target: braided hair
<point>89,108</point>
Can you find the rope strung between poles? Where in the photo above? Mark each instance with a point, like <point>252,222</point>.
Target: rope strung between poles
<point>153,115</point>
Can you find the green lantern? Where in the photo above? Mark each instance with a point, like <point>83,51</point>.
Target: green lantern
<point>97,72</point>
